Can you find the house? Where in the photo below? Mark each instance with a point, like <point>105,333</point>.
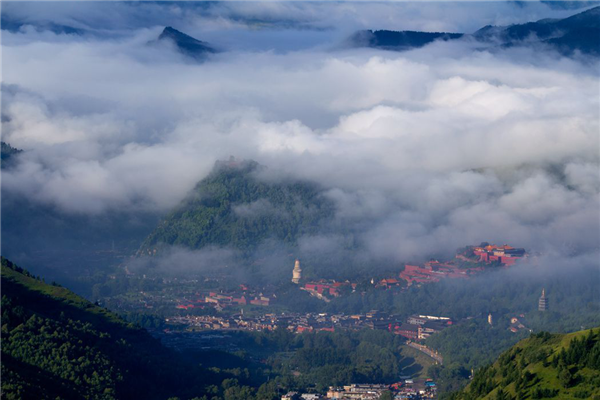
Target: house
<point>409,331</point>
<point>261,301</point>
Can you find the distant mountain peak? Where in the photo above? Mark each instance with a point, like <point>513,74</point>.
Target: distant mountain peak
<point>186,44</point>
<point>171,33</point>
<point>171,29</point>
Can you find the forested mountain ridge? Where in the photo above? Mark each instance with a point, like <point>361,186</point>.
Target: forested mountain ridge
<point>561,366</point>
<point>577,33</point>
<point>232,208</point>
<point>57,345</point>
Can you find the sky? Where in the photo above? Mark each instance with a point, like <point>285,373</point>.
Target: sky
<point>423,151</point>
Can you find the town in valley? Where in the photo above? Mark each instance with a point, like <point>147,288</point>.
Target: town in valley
<point>203,319</point>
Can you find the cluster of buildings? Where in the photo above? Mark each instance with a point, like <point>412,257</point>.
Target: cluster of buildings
<point>294,322</point>
<point>236,322</point>
<point>186,296</point>
<point>419,327</point>
<point>434,270</point>
<point>406,389</point>
<point>357,392</point>
<point>302,396</point>
<point>322,288</point>
<point>414,328</point>
<point>415,390</point>
<point>516,325</point>
<point>222,300</point>
<point>431,271</point>
<point>485,253</point>
<point>389,283</point>
<point>504,255</point>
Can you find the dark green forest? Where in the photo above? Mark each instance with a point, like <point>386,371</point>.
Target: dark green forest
<point>278,361</point>
<point>322,359</point>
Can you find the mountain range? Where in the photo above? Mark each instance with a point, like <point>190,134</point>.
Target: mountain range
<point>578,33</point>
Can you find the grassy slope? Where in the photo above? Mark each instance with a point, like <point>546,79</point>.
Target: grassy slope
<point>549,376</point>
<point>587,383</point>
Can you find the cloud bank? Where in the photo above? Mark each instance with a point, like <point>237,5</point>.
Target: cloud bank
<point>421,151</point>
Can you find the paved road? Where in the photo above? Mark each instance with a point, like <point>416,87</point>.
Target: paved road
<point>428,351</point>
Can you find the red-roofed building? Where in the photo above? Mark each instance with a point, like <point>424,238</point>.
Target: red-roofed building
<point>261,301</point>
<point>408,331</point>
<point>505,255</point>
<point>327,329</point>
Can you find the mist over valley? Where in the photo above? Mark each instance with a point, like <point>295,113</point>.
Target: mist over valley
<point>301,196</point>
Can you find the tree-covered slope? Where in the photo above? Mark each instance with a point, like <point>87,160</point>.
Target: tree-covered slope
<point>560,366</point>
<point>7,151</point>
<point>232,208</point>
<point>57,345</point>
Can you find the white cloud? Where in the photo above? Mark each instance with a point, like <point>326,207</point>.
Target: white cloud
<point>432,148</point>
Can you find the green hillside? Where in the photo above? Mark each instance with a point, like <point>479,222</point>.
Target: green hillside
<point>232,208</point>
<point>544,366</point>
<point>57,345</point>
